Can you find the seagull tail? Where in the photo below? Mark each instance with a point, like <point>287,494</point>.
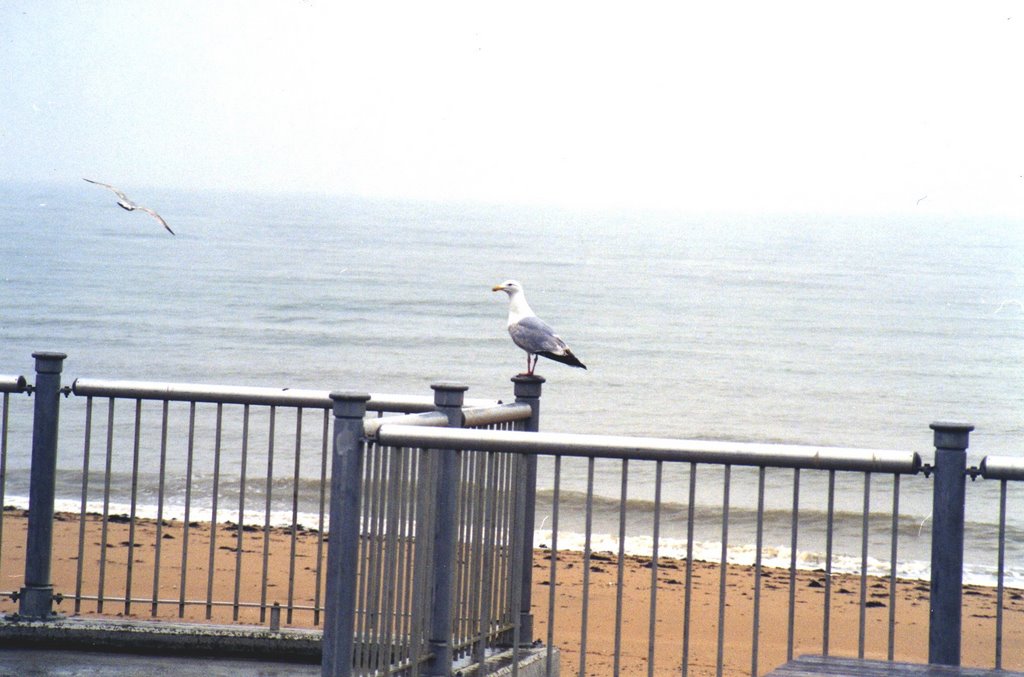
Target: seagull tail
<point>566,358</point>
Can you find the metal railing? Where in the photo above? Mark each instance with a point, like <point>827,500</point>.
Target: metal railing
<point>435,508</point>
<point>197,479</point>
<point>440,537</point>
<point>810,466</point>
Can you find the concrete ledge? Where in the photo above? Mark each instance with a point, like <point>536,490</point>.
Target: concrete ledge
<point>162,638</point>
<point>532,663</point>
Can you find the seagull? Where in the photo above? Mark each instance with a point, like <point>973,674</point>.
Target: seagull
<point>531,333</point>
<point>124,203</point>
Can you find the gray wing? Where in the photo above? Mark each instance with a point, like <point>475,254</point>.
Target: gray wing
<point>158,218</point>
<point>111,188</point>
<point>534,335</point>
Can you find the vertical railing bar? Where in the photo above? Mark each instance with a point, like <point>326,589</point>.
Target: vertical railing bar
<point>377,598</point>
<point>461,578</point>
<point>688,598</point>
<point>241,511</point>
<point>552,577</point>
<point>406,518</point>
<point>509,603</point>
<point>502,602</point>
<point>793,540</point>
<point>4,417</point>
<point>477,554</point>
<point>864,566</point>
<point>161,487</point>
<point>106,506</point>
<point>318,590</point>
<point>213,509</point>
<point>656,537</point>
<point>134,496</point>
<point>474,550</point>
<point>186,525</point>
<point>759,543</point>
<point>130,568</point>
<point>489,565</point>
<point>621,566</point>
<point>518,560</point>
<point>486,552</point>
<point>390,577</point>
<point>404,585</point>
<point>586,566</point>
<point>500,576</point>
<point>892,565</point>
<point>827,613</point>
<point>365,536</point>
<point>87,445</point>
<point>1000,573</point>
<point>271,434</point>
<point>377,587</point>
<point>499,601</point>
<point>422,527</point>
<point>295,513</point>
<point>723,567</point>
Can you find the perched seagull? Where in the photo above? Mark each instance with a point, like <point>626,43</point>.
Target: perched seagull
<point>124,203</point>
<point>531,333</point>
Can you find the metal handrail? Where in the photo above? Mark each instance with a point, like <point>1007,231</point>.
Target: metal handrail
<point>1002,468</point>
<point>284,397</point>
<point>427,418</point>
<point>655,449</point>
<point>12,384</point>
<point>503,413</point>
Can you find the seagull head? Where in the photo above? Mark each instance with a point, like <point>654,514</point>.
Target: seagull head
<point>510,287</point>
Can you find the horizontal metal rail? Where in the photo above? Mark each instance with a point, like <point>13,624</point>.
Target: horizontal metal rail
<point>477,417</point>
<point>472,418</point>
<point>284,397</point>
<point>12,384</point>
<point>428,418</point>
<point>655,449</point>
<point>1002,468</point>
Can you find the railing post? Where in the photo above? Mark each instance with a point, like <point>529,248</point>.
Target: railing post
<point>36,598</point>
<point>950,480</point>
<point>343,535</point>
<point>448,398</point>
<point>528,389</point>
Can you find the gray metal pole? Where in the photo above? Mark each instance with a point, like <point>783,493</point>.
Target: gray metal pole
<point>947,542</point>
<point>343,538</point>
<point>36,598</point>
<point>527,390</point>
<point>448,398</point>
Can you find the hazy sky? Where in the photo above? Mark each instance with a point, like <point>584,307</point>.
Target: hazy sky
<point>854,106</point>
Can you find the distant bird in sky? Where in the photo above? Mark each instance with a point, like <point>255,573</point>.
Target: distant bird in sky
<point>531,333</point>
<point>124,203</point>
<point>921,198</point>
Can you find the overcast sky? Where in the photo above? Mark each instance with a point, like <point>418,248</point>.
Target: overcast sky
<point>809,106</point>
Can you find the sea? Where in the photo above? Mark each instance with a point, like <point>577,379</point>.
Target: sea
<point>823,329</point>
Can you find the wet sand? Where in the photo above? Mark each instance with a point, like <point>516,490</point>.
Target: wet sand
<point>298,585</point>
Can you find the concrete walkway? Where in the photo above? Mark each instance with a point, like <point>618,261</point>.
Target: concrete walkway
<point>51,663</point>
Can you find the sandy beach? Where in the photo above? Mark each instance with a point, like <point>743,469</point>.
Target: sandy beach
<point>298,586</point>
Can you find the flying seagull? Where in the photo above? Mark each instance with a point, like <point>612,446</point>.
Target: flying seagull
<point>124,203</point>
<point>531,333</point>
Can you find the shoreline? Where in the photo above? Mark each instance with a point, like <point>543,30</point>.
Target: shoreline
<point>238,573</point>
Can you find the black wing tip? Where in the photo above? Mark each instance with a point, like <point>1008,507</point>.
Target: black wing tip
<point>568,358</point>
